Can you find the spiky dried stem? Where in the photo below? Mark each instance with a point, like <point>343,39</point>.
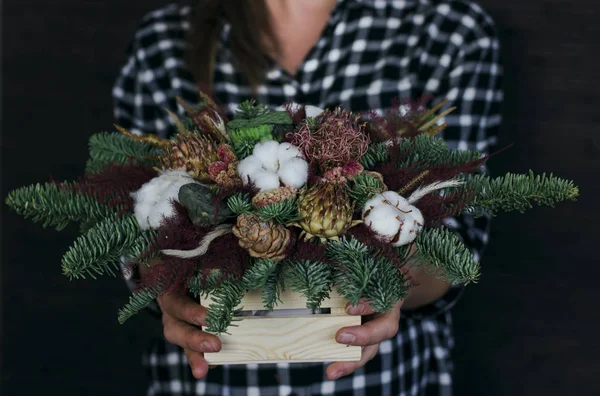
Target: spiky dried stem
<point>413,182</point>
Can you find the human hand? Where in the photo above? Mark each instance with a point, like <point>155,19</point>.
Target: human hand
<point>182,319</point>
<point>374,329</point>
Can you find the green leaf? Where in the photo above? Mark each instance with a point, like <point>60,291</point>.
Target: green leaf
<point>199,202</point>
<point>244,139</point>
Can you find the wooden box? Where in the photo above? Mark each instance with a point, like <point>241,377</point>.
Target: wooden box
<point>287,337</point>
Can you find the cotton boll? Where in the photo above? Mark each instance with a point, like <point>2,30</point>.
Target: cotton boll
<point>286,152</point>
<point>294,172</point>
<point>152,200</point>
<point>164,209</point>
<point>412,225</point>
<point>265,180</point>
<point>383,220</point>
<point>248,167</point>
<point>396,199</point>
<point>267,152</point>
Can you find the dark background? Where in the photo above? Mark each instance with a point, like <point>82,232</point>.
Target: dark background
<point>531,327</point>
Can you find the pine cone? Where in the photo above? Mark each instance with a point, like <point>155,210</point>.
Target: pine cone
<point>262,239</point>
<point>192,153</point>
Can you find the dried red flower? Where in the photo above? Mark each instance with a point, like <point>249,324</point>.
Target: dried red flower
<point>336,140</point>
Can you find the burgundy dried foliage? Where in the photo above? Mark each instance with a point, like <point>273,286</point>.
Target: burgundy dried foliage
<point>435,207</point>
<point>337,140</point>
<point>447,172</point>
<point>178,232</point>
<point>296,112</point>
<point>307,250</point>
<point>397,178</point>
<point>114,184</point>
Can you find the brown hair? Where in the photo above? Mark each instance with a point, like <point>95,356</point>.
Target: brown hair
<point>251,38</point>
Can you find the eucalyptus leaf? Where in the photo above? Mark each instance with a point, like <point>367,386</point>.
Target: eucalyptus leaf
<point>199,201</point>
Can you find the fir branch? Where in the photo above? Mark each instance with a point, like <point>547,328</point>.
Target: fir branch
<point>354,267</point>
<point>424,149</point>
<point>195,285</point>
<point>270,118</point>
<point>352,277</point>
<point>250,109</point>
<point>55,206</point>
<point>138,301</point>
<point>517,192</point>
<point>139,250</point>
<point>364,187</point>
<point>273,288</point>
<point>443,254</point>
<point>284,212</point>
<point>240,203</point>
<point>376,154</point>
<point>258,274</point>
<point>222,310</point>
<point>386,286</point>
<point>99,250</point>
<point>244,139</point>
<point>106,148</point>
<point>313,280</point>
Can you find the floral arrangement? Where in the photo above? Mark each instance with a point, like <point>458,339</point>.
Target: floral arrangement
<point>295,197</point>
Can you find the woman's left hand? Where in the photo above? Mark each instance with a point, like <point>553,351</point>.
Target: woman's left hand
<point>375,328</point>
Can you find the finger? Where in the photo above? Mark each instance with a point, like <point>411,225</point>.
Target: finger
<point>189,337</point>
<point>371,332</point>
<point>362,308</point>
<point>183,307</point>
<point>340,369</point>
<point>197,362</point>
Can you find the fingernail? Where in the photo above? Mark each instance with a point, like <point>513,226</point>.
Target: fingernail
<point>356,310</point>
<point>336,375</point>
<point>345,338</point>
<point>209,346</point>
<point>198,320</point>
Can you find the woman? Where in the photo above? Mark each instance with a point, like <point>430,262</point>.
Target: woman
<point>362,54</point>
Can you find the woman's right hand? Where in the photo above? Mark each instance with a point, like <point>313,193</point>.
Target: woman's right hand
<point>183,319</point>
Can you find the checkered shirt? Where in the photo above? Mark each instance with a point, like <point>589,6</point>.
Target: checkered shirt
<point>370,53</point>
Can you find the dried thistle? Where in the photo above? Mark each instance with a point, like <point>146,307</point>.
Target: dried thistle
<point>336,139</point>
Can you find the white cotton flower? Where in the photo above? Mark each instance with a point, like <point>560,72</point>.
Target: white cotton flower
<point>153,201</point>
<point>248,166</point>
<point>293,172</point>
<point>288,151</point>
<point>273,163</point>
<point>390,216</point>
<point>267,152</point>
<point>265,180</point>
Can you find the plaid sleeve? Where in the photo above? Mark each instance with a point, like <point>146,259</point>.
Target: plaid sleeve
<point>472,83</point>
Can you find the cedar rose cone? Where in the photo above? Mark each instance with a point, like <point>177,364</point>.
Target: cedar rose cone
<point>262,239</point>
